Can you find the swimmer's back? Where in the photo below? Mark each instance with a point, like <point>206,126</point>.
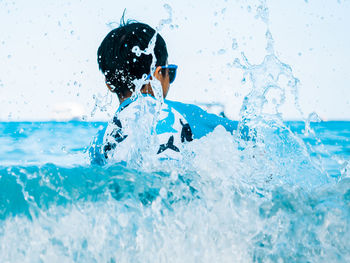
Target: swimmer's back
<point>199,123</point>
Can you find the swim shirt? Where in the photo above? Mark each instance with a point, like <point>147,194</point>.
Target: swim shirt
<point>177,123</point>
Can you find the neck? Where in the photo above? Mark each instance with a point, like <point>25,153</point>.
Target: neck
<point>146,89</point>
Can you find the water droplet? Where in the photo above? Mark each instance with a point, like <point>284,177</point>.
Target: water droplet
<point>72,32</point>
<point>136,50</point>
<point>221,51</point>
<point>262,12</point>
<point>234,44</point>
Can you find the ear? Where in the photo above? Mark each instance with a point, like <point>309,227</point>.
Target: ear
<point>158,73</point>
<point>109,87</point>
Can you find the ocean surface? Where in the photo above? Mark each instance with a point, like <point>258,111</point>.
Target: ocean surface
<point>284,197</point>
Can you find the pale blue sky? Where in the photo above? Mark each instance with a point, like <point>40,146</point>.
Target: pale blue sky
<point>48,53</point>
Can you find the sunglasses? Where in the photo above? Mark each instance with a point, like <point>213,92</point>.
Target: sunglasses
<point>171,71</point>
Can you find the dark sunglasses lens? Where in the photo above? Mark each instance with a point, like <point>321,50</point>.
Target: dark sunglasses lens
<point>172,74</point>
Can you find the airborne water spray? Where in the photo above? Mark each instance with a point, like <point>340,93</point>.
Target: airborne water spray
<point>143,142</point>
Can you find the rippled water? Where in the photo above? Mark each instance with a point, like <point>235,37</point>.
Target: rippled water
<point>287,199</point>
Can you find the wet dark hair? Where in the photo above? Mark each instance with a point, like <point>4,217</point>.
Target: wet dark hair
<point>117,61</point>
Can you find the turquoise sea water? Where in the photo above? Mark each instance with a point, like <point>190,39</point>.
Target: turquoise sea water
<point>284,198</point>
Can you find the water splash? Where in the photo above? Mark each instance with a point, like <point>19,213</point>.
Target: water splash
<point>155,84</point>
<point>101,102</point>
<point>261,119</point>
<point>166,21</point>
<point>262,12</point>
<point>313,117</point>
<point>239,203</point>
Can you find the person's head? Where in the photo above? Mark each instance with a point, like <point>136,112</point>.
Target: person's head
<point>121,65</point>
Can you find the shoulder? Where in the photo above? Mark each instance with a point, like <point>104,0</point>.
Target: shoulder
<point>183,106</point>
<point>200,120</point>
<point>189,111</point>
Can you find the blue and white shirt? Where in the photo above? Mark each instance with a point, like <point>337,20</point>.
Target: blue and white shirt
<point>176,124</point>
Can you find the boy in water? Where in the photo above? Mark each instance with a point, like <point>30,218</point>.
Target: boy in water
<point>122,60</point>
